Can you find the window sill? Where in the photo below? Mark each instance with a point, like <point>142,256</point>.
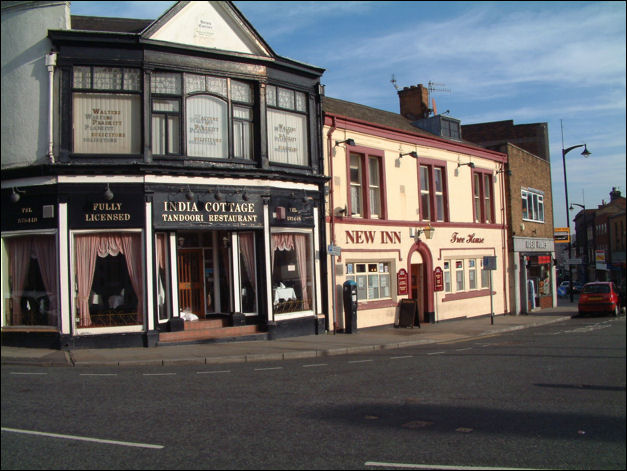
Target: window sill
<point>376,304</point>
<point>467,295</point>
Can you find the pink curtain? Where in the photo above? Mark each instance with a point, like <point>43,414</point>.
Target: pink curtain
<point>87,247</point>
<point>281,242</point>
<point>247,249</point>
<point>161,250</point>
<point>131,247</point>
<point>19,261</point>
<point>45,252</point>
<point>300,242</point>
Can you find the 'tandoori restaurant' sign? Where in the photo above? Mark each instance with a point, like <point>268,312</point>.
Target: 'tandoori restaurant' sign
<point>179,213</point>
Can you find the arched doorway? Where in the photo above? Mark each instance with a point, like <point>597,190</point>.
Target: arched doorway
<point>420,269</point>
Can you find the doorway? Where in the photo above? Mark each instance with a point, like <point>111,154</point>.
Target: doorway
<point>418,288</point>
<point>190,276</point>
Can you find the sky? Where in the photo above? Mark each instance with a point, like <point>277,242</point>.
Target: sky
<point>561,63</point>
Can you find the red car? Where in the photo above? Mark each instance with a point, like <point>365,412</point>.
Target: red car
<point>599,297</point>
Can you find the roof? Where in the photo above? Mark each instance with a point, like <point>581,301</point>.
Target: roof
<point>114,25</point>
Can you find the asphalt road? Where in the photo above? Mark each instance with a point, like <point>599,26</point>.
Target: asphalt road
<point>543,398</point>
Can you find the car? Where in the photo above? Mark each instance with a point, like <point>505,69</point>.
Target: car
<point>599,297</point>
<point>577,287</point>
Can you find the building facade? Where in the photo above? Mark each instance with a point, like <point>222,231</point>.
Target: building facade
<point>175,173</point>
<point>413,215</point>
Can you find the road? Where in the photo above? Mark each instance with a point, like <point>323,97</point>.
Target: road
<point>542,398</point>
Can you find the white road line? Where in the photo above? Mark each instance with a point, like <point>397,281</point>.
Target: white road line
<point>435,466</point>
<point>212,372</point>
<point>17,373</point>
<point>98,374</point>
<point>401,358</point>
<point>435,353</point>
<point>462,349</point>
<point>158,374</point>
<point>84,439</point>
<point>313,365</point>
<point>360,361</point>
<point>266,369</point>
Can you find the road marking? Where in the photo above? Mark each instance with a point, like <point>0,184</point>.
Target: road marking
<point>360,361</point>
<point>436,466</point>
<point>435,353</point>
<point>212,372</point>
<point>462,349</point>
<point>266,369</point>
<point>158,374</point>
<point>17,373</point>
<point>84,439</point>
<point>401,358</point>
<point>313,365</point>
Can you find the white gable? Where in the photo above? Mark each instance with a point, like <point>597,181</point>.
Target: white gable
<point>210,25</point>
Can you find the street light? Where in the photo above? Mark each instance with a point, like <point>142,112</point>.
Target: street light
<point>585,233</point>
<point>585,153</point>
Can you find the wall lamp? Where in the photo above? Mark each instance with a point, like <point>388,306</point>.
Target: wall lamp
<point>413,154</point>
<point>350,142</point>
<point>15,194</point>
<point>189,195</point>
<point>507,172</point>
<point>427,231</point>
<point>470,164</point>
<point>108,194</point>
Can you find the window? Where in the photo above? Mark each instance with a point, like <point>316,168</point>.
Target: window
<point>108,279</point>
<point>472,274</point>
<point>450,128</point>
<point>166,120</point>
<point>532,205</point>
<point>483,198</point>
<point>287,126</point>
<point>432,181</point>
<point>372,279</point>
<point>459,275</point>
<point>292,272</point>
<point>106,110</point>
<point>248,272</point>
<point>31,280</point>
<point>447,277</point>
<point>366,191</point>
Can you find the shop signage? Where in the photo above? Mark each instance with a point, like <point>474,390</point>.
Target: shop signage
<point>29,213</point>
<point>178,212</point>
<point>402,282</point>
<point>561,235</point>
<point>599,258</point>
<point>93,211</point>
<point>456,238</point>
<point>371,237</point>
<point>292,211</point>
<point>438,279</point>
<point>532,244</point>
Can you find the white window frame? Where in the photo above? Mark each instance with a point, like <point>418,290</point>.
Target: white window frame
<point>534,201</point>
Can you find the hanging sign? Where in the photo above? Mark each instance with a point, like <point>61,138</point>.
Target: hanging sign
<point>402,282</point>
<point>438,279</point>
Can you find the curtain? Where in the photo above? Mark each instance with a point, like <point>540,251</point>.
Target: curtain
<point>247,249</point>
<point>45,252</point>
<point>281,242</point>
<point>131,247</point>
<point>19,260</point>
<point>300,242</point>
<point>87,248</point>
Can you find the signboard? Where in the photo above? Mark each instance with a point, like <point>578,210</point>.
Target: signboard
<point>89,209</point>
<point>599,259</point>
<point>561,235</point>
<point>402,282</point>
<point>489,262</point>
<point>438,279</point>
<point>408,313</point>
<point>334,250</point>
<point>30,212</point>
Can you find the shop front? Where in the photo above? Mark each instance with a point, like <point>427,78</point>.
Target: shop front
<point>534,282</point>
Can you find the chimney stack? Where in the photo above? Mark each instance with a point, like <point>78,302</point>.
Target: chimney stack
<point>414,102</point>
<point>614,194</point>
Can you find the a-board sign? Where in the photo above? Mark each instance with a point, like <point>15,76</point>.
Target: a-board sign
<point>408,313</point>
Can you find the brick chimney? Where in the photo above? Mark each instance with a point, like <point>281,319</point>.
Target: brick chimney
<point>414,102</point>
<point>614,194</point>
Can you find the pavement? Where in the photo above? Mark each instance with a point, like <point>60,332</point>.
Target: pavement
<point>311,346</point>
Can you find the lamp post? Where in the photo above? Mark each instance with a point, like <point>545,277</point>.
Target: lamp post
<point>585,234</point>
<point>585,153</point>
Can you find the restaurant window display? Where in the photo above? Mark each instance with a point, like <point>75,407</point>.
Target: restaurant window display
<point>108,279</point>
<point>292,272</point>
<point>30,283</point>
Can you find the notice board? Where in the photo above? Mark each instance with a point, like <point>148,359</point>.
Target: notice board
<point>408,313</point>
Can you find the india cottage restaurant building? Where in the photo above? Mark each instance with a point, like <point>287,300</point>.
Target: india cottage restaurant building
<point>185,180</point>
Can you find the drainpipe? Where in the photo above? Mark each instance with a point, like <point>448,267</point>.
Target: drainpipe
<point>51,62</point>
<point>332,213</point>
<point>504,238</point>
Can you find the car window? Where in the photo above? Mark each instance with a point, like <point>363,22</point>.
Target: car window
<point>596,289</point>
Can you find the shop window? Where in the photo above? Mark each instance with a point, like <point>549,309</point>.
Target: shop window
<point>292,272</point>
<point>433,193</point>
<point>532,205</point>
<point>287,126</point>
<point>109,279</point>
<point>106,110</point>
<point>483,198</point>
<point>32,276</point>
<point>372,279</point>
<point>366,189</point>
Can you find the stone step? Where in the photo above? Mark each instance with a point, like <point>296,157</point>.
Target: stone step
<point>206,324</point>
<point>197,335</point>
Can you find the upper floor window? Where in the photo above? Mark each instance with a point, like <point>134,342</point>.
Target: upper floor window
<point>366,189</point>
<point>483,198</point>
<point>106,110</point>
<point>433,193</point>
<point>532,205</point>
<point>287,126</point>
<point>218,116</point>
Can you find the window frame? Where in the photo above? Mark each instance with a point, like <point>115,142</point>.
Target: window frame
<point>537,207</point>
<point>432,192</point>
<point>352,273</point>
<point>484,199</point>
<point>365,155</point>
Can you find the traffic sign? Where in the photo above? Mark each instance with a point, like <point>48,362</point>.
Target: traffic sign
<point>334,250</point>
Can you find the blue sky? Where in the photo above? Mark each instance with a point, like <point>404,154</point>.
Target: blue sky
<point>562,63</point>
